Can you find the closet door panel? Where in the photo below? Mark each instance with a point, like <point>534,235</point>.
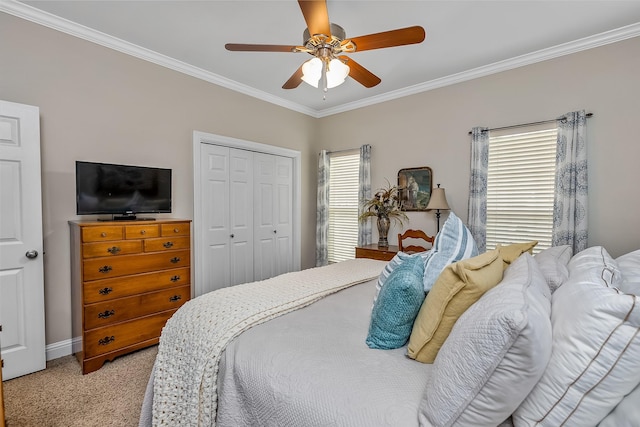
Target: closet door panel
<point>283,215</point>
<point>215,264</point>
<point>241,216</point>
<point>273,204</point>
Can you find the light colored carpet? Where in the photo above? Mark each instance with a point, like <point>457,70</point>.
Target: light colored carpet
<point>60,396</point>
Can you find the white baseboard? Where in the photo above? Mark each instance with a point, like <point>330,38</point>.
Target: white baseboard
<point>63,348</point>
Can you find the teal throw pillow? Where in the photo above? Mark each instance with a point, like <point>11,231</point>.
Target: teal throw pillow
<point>395,262</point>
<point>397,305</point>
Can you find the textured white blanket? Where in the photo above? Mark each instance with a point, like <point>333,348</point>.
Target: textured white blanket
<point>193,339</point>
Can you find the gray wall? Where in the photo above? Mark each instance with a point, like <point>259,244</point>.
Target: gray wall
<point>98,104</point>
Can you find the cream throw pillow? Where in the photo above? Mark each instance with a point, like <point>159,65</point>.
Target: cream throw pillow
<point>459,286</point>
<point>510,253</point>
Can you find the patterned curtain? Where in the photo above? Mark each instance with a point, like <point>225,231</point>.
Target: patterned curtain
<point>364,193</point>
<point>322,218</point>
<point>478,186</point>
<point>570,202</point>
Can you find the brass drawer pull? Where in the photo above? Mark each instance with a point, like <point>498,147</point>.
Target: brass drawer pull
<point>106,314</point>
<point>105,269</point>
<point>175,278</point>
<point>175,298</point>
<point>167,244</point>
<point>176,230</point>
<point>103,234</point>
<point>175,259</point>
<point>106,340</point>
<point>105,291</point>
<point>113,250</point>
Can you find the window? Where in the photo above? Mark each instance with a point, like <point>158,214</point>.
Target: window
<point>343,205</point>
<point>520,185</point>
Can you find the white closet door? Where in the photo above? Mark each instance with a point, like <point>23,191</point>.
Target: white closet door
<point>227,210</point>
<point>241,215</point>
<point>273,251</point>
<point>214,195</point>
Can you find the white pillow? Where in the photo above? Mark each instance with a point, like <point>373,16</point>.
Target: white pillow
<point>495,353</point>
<point>595,263</point>
<point>453,243</point>
<point>626,414</point>
<point>553,264</point>
<point>596,347</point>
<point>629,263</point>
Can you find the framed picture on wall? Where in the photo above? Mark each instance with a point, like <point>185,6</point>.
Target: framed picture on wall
<point>414,188</point>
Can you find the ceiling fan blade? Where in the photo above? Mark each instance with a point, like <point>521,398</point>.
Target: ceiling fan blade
<point>357,72</point>
<point>316,16</point>
<point>236,47</point>
<point>295,80</point>
<point>400,37</point>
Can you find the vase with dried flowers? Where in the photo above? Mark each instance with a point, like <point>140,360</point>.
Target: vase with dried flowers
<point>386,207</point>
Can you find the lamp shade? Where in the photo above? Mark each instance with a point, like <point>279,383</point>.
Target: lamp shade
<point>312,71</point>
<point>337,72</point>
<point>438,200</point>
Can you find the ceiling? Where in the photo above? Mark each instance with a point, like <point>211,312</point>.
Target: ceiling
<point>465,39</point>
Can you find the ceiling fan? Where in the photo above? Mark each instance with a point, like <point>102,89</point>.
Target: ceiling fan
<point>327,42</point>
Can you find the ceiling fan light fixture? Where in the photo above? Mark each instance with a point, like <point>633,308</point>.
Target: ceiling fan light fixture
<point>337,72</point>
<point>312,71</point>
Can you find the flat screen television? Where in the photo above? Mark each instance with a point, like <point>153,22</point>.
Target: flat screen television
<point>122,191</point>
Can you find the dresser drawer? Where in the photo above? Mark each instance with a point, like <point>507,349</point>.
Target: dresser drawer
<point>108,289</point>
<point>119,310</point>
<point>103,340</point>
<point>102,234</point>
<point>141,231</point>
<point>100,268</point>
<point>167,243</point>
<point>175,229</point>
<point>120,247</point>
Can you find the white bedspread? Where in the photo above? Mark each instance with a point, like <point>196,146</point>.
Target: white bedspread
<point>194,338</point>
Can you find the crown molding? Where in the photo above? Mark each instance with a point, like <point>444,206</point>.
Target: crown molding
<point>46,19</point>
<point>37,16</point>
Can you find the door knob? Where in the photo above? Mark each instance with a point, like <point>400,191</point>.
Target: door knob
<point>32,254</point>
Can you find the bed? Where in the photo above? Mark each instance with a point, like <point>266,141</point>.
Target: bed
<point>302,360</point>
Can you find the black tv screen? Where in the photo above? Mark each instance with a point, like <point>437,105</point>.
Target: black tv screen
<point>103,188</point>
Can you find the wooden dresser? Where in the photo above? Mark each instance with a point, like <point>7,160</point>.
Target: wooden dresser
<point>373,251</point>
<point>128,278</point>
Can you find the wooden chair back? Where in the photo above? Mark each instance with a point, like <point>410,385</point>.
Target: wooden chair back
<point>414,234</point>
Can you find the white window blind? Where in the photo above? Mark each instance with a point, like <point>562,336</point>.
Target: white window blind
<point>520,185</point>
<point>343,205</point>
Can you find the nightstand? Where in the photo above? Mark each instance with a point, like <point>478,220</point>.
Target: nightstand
<point>374,252</point>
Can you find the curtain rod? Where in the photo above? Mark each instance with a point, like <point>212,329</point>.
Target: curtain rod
<point>531,124</point>
<point>343,151</point>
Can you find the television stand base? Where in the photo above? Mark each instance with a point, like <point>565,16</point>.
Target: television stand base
<point>126,218</point>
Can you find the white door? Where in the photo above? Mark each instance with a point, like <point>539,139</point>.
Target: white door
<point>241,215</point>
<point>225,255</point>
<point>273,204</point>
<point>21,247</point>
<point>214,195</point>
